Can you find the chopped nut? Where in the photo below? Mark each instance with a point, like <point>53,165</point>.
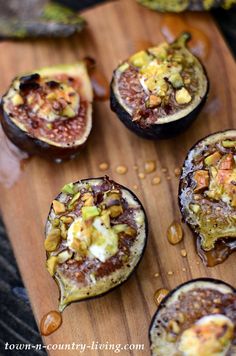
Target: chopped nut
<point>181,318</point>
<point>58,207</point>
<point>140,59</point>
<point>51,265</point>
<point>150,166</point>
<point>228,143</point>
<point>55,222</point>
<point>66,219</point>
<point>64,256</point>
<point>170,273</point>
<point>175,233</point>
<point>121,169</point>
<point>174,327</point>
<point>154,101</point>
<point>183,252</point>
<point>171,337</point>
<point>187,81</point>
<point>63,231</point>
<point>115,211</point>
<point>52,240</point>
<point>51,96</point>
<point>83,246</point>
<point>135,187</point>
<point>177,172</point>
<point>130,231</point>
<point>176,80</point>
<point>103,166</point>
<point>195,208</point>
<point>74,200</point>
<point>86,196</point>
<point>89,201</point>
<point>156,275</point>
<point>76,244</point>
<point>141,175</point>
<point>182,96</point>
<point>156,180</point>
<point>184,269</point>
<point>17,100</point>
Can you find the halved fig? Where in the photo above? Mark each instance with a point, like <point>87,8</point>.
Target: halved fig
<point>158,92</point>
<point>207,195</point>
<point>49,111</point>
<point>197,318</point>
<point>38,18</point>
<point>96,233</point>
<point>182,5</point>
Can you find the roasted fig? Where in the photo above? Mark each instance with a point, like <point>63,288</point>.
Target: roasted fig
<point>182,5</point>
<point>158,92</point>
<point>37,18</point>
<point>207,195</point>
<point>49,112</point>
<point>96,233</point>
<point>197,318</point>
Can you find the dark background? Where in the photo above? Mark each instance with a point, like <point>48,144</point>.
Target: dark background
<point>17,324</point>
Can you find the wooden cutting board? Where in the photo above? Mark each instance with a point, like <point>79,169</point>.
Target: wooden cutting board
<point>115,31</point>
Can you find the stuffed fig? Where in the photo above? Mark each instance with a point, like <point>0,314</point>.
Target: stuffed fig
<point>182,5</point>
<point>49,111</point>
<point>95,237</point>
<point>37,18</point>
<point>158,92</point>
<point>207,195</point>
<point>197,318</point>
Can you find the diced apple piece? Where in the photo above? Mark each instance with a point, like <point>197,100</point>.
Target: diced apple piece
<point>202,179</point>
<point>227,162</point>
<point>212,159</point>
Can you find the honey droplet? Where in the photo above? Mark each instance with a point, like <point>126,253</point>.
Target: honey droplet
<point>50,322</point>
<point>183,252</point>
<point>121,169</point>
<point>172,25</point>
<point>177,172</point>
<point>141,175</point>
<point>159,295</point>
<point>156,180</point>
<point>175,233</point>
<point>11,161</point>
<point>150,167</point>
<point>103,166</point>
<point>99,82</point>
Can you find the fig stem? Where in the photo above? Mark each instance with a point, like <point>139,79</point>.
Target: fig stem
<point>183,39</point>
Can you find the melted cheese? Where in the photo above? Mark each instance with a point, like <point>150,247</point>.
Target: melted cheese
<point>209,336</point>
<point>101,241</point>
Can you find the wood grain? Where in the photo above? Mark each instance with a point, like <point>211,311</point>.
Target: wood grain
<point>115,31</point>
